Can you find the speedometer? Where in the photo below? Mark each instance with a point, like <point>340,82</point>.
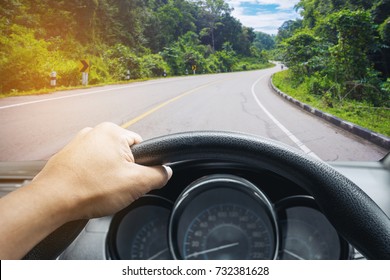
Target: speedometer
<point>223,217</point>
<point>227,231</point>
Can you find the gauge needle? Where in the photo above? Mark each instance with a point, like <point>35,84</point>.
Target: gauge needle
<point>293,255</point>
<point>158,254</point>
<point>213,250</point>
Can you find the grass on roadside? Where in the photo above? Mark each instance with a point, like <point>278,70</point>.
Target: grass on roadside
<point>360,113</point>
<point>61,88</point>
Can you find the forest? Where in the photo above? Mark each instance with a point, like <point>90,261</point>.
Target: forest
<point>148,38</point>
<point>339,50</point>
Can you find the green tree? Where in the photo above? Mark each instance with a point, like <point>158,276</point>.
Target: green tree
<point>169,22</point>
<point>355,34</point>
<point>212,12</point>
<point>264,41</point>
<point>299,50</point>
<point>184,53</point>
<point>287,29</point>
<point>338,48</point>
<point>349,64</point>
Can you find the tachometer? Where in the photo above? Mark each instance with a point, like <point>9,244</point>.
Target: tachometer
<point>223,217</point>
<point>150,242</point>
<point>140,231</point>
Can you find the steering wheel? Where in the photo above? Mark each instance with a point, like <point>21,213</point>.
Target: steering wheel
<point>353,213</point>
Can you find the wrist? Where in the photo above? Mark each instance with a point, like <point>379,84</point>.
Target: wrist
<point>51,201</point>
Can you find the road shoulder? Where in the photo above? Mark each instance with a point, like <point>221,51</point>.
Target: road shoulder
<point>373,137</point>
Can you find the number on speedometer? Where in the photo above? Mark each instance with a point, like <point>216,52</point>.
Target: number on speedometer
<point>227,231</point>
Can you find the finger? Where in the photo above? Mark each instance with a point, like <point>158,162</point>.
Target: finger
<point>152,177</point>
<point>169,171</point>
<point>115,130</point>
<point>129,139</point>
<point>157,176</point>
<point>132,137</point>
<point>84,131</point>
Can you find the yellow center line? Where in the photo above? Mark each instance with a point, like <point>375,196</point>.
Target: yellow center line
<point>158,107</point>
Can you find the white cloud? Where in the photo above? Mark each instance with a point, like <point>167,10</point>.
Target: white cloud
<point>266,21</point>
<point>283,4</point>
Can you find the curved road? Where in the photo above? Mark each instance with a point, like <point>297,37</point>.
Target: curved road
<point>35,127</point>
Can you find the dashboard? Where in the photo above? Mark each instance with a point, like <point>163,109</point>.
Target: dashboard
<point>217,210</point>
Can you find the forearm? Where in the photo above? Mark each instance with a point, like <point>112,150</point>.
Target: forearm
<point>27,216</point>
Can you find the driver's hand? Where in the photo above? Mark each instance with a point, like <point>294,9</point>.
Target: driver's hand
<point>95,174</point>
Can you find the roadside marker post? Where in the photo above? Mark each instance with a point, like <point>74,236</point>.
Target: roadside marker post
<point>84,80</point>
<point>53,78</point>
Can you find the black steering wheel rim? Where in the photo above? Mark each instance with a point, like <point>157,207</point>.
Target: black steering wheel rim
<point>352,212</point>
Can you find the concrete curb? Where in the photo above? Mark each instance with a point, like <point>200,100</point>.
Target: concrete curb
<point>376,138</point>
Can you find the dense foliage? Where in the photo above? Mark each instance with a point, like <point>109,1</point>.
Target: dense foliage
<point>148,37</point>
<point>340,49</point>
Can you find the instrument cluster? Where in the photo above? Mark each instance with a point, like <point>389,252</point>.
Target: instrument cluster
<point>223,217</point>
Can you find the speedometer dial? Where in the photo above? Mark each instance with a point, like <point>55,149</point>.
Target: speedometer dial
<point>223,217</point>
<point>227,231</point>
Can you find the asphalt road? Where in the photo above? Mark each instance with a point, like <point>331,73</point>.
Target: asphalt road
<point>35,127</point>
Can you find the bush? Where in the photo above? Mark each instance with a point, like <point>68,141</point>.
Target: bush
<point>119,59</point>
<point>153,65</point>
<point>99,71</point>
<point>25,62</point>
<point>319,85</point>
<point>68,73</point>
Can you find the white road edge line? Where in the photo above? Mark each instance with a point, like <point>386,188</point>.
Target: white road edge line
<point>77,94</point>
<point>302,146</point>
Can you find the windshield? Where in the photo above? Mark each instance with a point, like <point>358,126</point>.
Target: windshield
<point>312,74</point>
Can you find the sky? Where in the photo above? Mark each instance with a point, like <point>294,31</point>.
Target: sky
<point>264,15</point>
